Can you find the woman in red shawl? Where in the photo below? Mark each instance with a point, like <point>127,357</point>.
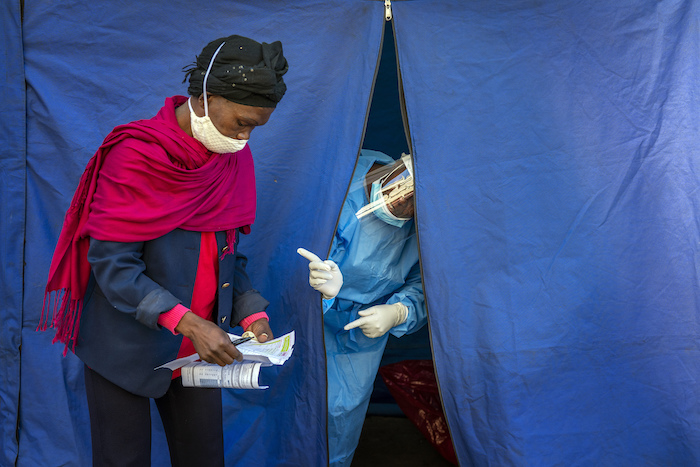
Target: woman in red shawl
<point>146,268</point>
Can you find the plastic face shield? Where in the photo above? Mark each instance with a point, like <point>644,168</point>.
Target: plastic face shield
<point>390,192</point>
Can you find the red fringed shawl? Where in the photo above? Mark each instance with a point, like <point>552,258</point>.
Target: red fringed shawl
<point>148,178</point>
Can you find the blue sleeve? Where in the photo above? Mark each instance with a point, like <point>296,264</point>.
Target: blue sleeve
<point>118,268</point>
<point>411,295</point>
<point>246,300</point>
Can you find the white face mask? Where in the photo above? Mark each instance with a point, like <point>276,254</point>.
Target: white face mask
<point>206,133</point>
<point>204,130</point>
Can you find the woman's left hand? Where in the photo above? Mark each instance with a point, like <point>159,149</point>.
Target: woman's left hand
<point>261,329</point>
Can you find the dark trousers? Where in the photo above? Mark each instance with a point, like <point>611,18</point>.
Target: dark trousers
<point>120,424</point>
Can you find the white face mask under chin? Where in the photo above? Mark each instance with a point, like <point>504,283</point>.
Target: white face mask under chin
<point>206,133</point>
<point>204,130</point>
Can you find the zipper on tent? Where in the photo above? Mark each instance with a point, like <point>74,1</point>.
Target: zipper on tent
<point>407,133</point>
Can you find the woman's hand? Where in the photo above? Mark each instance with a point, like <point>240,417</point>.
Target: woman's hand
<point>261,329</point>
<point>211,343</point>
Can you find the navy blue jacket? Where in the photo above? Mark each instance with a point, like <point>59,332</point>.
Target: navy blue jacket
<point>131,285</point>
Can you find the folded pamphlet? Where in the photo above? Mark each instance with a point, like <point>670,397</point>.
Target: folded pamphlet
<point>239,375</point>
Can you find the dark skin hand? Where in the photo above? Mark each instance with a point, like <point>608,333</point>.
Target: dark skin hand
<point>261,329</point>
<point>214,345</point>
<point>210,341</point>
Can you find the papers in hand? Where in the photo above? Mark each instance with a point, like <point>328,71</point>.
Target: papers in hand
<point>241,375</point>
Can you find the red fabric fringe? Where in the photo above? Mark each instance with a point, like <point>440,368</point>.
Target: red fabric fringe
<point>64,317</point>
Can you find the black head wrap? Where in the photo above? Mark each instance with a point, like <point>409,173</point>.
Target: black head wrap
<point>244,71</point>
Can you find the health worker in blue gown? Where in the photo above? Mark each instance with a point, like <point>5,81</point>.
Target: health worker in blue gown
<point>371,285</point>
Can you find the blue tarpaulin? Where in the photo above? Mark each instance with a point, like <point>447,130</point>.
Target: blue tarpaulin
<point>555,147</point>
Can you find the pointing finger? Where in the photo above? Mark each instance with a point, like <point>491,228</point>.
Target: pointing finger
<point>308,255</point>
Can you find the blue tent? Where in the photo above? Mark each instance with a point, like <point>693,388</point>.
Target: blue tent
<point>555,147</point>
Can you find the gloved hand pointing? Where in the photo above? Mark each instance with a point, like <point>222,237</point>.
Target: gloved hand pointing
<point>324,276</point>
<point>377,320</point>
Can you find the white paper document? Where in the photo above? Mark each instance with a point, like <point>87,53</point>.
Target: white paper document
<point>274,352</point>
<point>241,375</point>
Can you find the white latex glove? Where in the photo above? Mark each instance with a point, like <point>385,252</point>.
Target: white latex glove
<point>377,320</point>
<point>324,276</point>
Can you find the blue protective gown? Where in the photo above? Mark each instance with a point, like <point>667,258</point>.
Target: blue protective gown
<point>380,265</point>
